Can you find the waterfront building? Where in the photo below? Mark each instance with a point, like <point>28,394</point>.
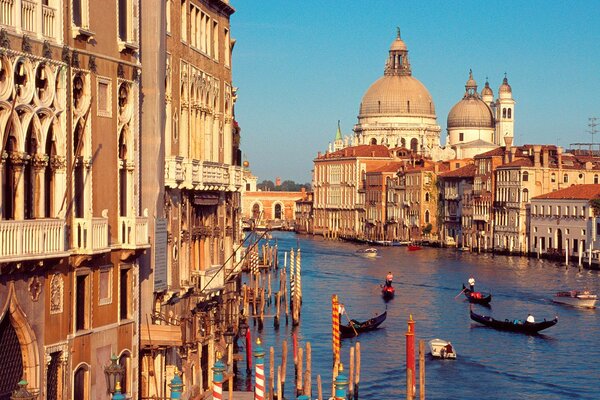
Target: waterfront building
<point>528,171</point>
<point>304,213</point>
<point>271,209</point>
<point>565,221</point>
<point>477,123</point>
<point>376,200</point>
<point>456,189</point>
<point>339,191</point>
<point>192,182</point>
<point>71,223</point>
<point>397,109</point>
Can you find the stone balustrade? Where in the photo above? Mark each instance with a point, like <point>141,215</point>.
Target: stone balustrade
<point>194,174</point>
<point>48,21</point>
<point>90,235</point>
<point>133,232</point>
<point>32,239</point>
<point>28,18</point>
<point>7,12</point>
<point>212,278</point>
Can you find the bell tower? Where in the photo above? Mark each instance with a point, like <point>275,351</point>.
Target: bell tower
<point>505,114</point>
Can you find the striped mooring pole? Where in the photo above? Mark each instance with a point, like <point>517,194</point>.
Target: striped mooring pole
<point>259,379</point>
<point>218,370</point>
<point>410,352</point>
<point>335,328</point>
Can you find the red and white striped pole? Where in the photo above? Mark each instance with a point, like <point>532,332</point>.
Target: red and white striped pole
<point>218,370</point>
<point>259,378</point>
<point>410,354</point>
<point>335,328</point>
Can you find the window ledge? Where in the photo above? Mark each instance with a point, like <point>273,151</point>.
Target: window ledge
<point>128,46</point>
<point>85,33</point>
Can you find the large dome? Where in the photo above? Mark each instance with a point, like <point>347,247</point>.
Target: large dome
<point>397,95</point>
<point>471,112</point>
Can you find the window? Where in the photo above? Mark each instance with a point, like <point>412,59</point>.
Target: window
<point>427,216</point>
<point>105,286</point>
<point>81,14</point>
<point>525,176</point>
<point>277,211</point>
<point>82,302</point>
<point>81,383</point>
<point>504,113</point>
<point>183,21</point>
<point>565,178</point>
<point>227,49</point>
<point>596,179</point>
<point>553,177</point>
<point>168,5</point>
<point>525,195</point>
<point>125,294</point>
<point>104,97</point>
<point>427,196</point>
<point>215,40</point>
<point>509,113</point>
<point>125,361</point>
<point>461,136</point>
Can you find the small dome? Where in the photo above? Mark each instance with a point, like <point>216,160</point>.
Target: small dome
<point>246,164</point>
<point>470,112</point>
<point>398,45</point>
<point>487,90</point>
<point>471,84</point>
<point>505,87</point>
<point>397,95</point>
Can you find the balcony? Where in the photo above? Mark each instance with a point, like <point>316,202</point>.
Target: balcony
<point>210,279</point>
<point>90,235</point>
<point>32,239</point>
<point>28,15</point>
<point>133,232</point>
<point>481,217</point>
<point>174,171</point>
<point>236,178</point>
<point>7,10</point>
<point>160,335</point>
<point>48,22</point>
<point>215,176</point>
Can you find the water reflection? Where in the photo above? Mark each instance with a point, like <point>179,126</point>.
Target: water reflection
<point>561,363</point>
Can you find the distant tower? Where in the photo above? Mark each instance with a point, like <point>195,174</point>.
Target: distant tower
<point>505,113</point>
<point>487,94</point>
<point>277,181</point>
<point>338,144</point>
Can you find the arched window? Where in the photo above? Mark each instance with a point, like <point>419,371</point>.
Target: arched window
<point>504,113</point>
<point>553,177</point>
<point>525,195</point>
<point>80,384</point>
<point>256,211</point>
<point>277,212</point>
<point>124,361</point>
<point>373,141</point>
<point>566,178</point>
<point>596,179</point>
<point>123,174</point>
<point>414,145</point>
<point>427,216</point>
<point>403,142</point>
<point>510,113</point>
<point>525,176</point>
<point>427,196</point>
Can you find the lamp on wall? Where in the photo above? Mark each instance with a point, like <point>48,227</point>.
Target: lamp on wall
<point>229,334</point>
<point>114,373</point>
<point>22,392</point>
<point>243,328</point>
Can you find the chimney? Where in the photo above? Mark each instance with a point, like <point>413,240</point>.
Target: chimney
<point>508,141</point>
<point>545,157</point>
<point>559,152</point>
<point>319,154</point>
<point>536,155</point>
<point>513,153</point>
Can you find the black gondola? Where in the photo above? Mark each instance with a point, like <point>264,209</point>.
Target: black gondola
<point>477,297</point>
<point>388,292</point>
<point>354,325</point>
<point>531,328</point>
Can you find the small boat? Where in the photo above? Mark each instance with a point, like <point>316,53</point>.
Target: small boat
<point>354,327</point>
<point>477,297</point>
<point>368,252</point>
<point>387,292</point>
<point>439,349</point>
<point>531,328</point>
<point>400,243</point>
<point>463,249</point>
<point>576,298</point>
<point>414,247</point>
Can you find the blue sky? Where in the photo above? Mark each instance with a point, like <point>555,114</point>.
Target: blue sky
<point>302,65</point>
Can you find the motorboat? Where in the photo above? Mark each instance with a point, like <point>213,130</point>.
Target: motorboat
<point>442,349</point>
<point>368,252</point>
<point>477,297</point>
<point>576,298</point>
<point>355,327</point>
<point>516,325</point>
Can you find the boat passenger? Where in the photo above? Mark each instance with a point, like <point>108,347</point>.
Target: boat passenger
<point>388,279</point>
<point>472,283</point>
<point>530,319</point>
<point>448,349</point>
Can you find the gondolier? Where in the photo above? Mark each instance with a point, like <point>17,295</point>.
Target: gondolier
<point>341,309</point>
<point>472,283</point>
<point>389,278</point>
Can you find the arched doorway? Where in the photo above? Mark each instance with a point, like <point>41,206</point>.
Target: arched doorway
<point>277,212</point>
<point>414,145</point>
<point>11,359</point>
<point>559,242</point>
<point>256,211</point>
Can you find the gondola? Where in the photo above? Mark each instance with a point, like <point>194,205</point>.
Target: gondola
<point>369,325</point>
<point>531,328</point>
<point>387,292</point>
<point>413,247</point>
<point>477,297</point>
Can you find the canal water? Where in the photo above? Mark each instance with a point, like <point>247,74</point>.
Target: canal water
<point>561,363</point>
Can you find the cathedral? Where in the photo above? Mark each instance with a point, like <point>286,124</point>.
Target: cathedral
<point>397,110</point>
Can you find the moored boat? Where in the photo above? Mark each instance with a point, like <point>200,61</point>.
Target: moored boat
<point>530,328</point>
<point>576,298</point>
<point>477,297</point>
<point>413,247</point>
<point>442,349</point>
<point>368,252</point>
<point>387,292</point>
<point>355,327</point>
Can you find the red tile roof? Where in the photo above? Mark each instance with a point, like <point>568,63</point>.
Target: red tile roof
<point>367,150</point>
<point>468,171</point>
<point>390,167</point>
<point>575,192</point>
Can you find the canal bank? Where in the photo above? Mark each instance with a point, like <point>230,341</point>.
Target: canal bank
<point>550,366</point>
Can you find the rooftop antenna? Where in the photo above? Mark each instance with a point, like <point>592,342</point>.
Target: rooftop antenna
<point>592,124</point>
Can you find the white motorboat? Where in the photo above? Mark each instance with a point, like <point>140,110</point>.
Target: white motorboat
<point>442,349</point>
<point>368,252</point>
<point>576,298</point>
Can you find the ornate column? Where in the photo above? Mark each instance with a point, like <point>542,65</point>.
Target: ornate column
<point>18,161</point>
<point>39,162</point>
<point>58,164</point>
<point>130,201</point>
<point>3,158</point>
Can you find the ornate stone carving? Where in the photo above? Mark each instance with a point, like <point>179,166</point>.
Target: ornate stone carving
<point>75,59</point>
<point>121,71</point>
<point>26,44</point>
<point>92,64</point>
<point>135,73</point>
<point>47,50</point>
<point>35,288</point>
<point>58,163</point>
<point>39,161</point>
<point>56,294</point>
<point>18,159</point>
<point>66,54</point>
<point>4,40</point>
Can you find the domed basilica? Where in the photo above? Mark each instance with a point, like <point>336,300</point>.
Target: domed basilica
<point>398,111</point>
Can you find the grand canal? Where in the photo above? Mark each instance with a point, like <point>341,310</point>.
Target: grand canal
<point>560,364</point>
